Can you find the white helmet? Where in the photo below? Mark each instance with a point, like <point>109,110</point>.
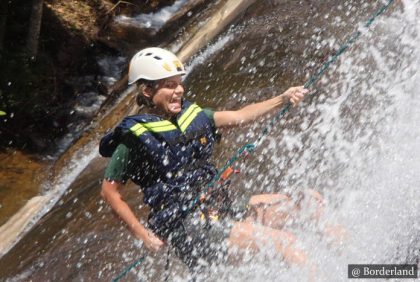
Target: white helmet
<point>154,64</point>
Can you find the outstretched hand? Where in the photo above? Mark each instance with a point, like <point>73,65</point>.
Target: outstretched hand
<point>295,95</point>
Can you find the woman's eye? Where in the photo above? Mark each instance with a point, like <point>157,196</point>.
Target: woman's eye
<point>171,85</point>
<point>168,85</point>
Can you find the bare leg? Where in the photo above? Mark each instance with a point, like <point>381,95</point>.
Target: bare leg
<point>274,210</point>
<point>245,235</point>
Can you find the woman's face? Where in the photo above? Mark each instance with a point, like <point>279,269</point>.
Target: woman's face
<point>168,94</point>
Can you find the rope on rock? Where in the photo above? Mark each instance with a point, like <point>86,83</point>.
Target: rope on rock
<point>314,78</point>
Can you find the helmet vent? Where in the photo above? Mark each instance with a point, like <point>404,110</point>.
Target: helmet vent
<point>157,58</point>
<point>148,54</point>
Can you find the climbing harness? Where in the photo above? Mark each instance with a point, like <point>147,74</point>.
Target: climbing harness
<point>227,170</point>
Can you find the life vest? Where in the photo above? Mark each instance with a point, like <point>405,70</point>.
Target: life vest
<point>172,157</point>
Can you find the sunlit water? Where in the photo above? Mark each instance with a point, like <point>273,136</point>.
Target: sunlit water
<point>358,142</point>
<point>152,21</point>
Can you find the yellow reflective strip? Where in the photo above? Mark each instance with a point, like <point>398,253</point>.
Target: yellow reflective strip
<point>163,129</point>
<point>138,129</point>
<point>190,118</point>
<point>160,123</point>
<point>187,113</point>
<point>160,126</point>
<point>154,124</point>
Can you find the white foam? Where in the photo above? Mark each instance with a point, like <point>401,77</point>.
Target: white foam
<point>153,21</point>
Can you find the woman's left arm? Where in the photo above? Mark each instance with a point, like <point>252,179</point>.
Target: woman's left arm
<point>251,112</point>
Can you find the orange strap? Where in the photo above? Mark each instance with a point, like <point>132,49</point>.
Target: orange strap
<point>227,173</point>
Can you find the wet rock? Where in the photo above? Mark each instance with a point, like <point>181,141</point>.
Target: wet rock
<point>147,28</point>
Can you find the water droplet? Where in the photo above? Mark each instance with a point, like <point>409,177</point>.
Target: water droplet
<point>165,161</point>
<point>88,215</point>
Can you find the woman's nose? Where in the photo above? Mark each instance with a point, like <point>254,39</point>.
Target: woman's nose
<point>179,90</point>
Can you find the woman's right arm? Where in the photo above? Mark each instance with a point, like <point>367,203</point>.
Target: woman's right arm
<point>110,192</point>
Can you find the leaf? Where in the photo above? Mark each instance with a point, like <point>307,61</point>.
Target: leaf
<point>2,113</point>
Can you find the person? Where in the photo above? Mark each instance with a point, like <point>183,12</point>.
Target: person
<point>166,152</point>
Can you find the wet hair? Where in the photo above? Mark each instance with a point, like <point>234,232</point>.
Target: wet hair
<point>141,100</point>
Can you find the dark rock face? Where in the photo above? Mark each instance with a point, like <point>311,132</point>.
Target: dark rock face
<point>37,93</point>
<point>40,94</point>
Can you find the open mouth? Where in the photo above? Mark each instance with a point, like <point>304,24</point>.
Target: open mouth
<point>175,104</point>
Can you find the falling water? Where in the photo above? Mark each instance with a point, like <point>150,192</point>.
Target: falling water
<point>153,21</point>
<point>357,142</point>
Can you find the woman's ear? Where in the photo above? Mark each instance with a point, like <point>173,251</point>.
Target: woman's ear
<point>147,91</point>
<point>145,95</point>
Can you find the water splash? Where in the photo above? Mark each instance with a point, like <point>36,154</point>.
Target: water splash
<point>209,51</point>
<point>358,143</point>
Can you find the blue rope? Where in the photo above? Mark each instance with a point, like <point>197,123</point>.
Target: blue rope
<point>250,148</point>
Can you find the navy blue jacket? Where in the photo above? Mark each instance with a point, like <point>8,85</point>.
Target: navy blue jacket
<point>172,157</point>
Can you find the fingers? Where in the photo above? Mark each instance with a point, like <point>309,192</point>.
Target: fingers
<point>296,94</point>
<point>296,98</point>
<point>154,245</point>
<point>152,242</point>
<point>157,244</point>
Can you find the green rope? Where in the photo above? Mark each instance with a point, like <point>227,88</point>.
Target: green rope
<point>314,78</point>
<point>131,266</point>
<point>250,148</point>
